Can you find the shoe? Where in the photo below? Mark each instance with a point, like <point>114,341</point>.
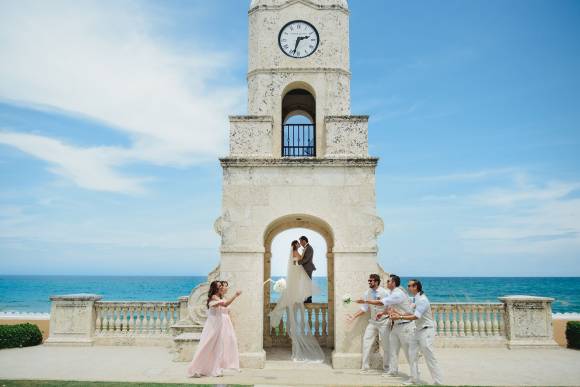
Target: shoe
<point>390,374</point>
<point>365,371</point>
<point>408,382</point>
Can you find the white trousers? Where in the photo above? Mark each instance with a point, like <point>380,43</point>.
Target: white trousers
<point>374,329</point>
<point>423,341</point>
<point>402,336</point>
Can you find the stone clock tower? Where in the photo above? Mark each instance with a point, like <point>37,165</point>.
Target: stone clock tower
<point>298,159</point>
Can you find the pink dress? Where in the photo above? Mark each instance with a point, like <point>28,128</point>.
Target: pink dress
<point>218,346</point>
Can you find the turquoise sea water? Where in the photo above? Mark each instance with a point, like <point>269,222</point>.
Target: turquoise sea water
<point>31,293</point>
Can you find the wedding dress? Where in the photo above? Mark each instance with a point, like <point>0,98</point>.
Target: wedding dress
<point>299,286</point>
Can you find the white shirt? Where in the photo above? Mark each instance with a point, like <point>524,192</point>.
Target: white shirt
<point>423,312</point>
<point>374,294</point>
<point>399,300</point>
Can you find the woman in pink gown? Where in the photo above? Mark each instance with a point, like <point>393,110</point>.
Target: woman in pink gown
<point>218,346</point>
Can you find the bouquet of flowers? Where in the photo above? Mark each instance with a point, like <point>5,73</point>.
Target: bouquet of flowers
<point>346,299</point>
<point>280,285</point>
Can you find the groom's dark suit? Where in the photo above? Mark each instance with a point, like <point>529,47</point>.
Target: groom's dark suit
<point>308,265</point>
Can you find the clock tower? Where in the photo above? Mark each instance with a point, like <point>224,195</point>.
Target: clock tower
<point>299,159</point>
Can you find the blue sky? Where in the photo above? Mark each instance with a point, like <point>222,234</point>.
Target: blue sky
<point>113,115</point>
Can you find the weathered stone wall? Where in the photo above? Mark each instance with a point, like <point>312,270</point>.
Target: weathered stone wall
<point>346,136</point>
<point>325,74</point>
<point>251,136</point>
<point>256,193</point>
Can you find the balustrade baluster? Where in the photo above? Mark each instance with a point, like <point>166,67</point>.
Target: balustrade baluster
<point>475,320</point>
<point>461,325</point>
<point>130,320</point>
<point>447,322</point>
<point>488,324</point>
<point>481,323</point>
<point>468,320</point>
<point>117,318</point>
<point>494,321</point>
<point>454,320</point>
<point>98,319</point>
<point>317,322</point>
<point>441,324</point>
<point>324,321</point>
<point>157,313</point>
<point>172,315</point>
<point>501,320</point>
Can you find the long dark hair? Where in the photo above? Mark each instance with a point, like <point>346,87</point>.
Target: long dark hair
<point>294,245</point>
<point>214,289</point>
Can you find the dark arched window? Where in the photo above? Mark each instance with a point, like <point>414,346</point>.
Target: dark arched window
<point>298,124</point>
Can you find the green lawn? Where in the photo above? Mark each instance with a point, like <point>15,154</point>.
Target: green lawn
<point>59,383</point>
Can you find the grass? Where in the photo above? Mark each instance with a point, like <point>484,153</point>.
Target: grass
<point>76,383</point>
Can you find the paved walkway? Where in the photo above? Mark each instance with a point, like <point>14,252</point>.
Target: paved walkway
<point>153,364</point>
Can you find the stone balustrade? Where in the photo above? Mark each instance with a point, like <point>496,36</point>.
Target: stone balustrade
<point>84,319</point>
<point>135,318</point>
<point>469,320</point>
<point>315,313</point>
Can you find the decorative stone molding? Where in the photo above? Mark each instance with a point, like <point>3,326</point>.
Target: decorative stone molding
<point>276,5</point>
<point>299,162</point>
<point>529,321</point>
<point>72,319</point>
<point>251,136</point>
<point>346,136</point>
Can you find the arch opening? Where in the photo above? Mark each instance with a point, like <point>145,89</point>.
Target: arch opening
<point>277,240</point>
<point>298,124</point>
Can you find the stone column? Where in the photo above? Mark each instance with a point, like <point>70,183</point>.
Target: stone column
<point>528,321</point>
<point>72,319</point>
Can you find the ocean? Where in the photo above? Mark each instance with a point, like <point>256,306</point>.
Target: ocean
<point>26,293</point>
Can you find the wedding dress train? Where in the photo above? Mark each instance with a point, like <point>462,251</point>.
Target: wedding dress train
<point>299,286</point>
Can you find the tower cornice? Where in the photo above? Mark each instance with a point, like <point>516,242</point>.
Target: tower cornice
<point>261,5</point>
<point>302,70</point>
<point>355,162</point>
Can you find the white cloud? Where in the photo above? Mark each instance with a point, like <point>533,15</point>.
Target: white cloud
<point>106,61</point>
<point>527,219</point>
<point>91,168</point>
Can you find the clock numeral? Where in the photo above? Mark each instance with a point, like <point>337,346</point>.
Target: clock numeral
<point>284,40</point>
<point>298,53</point>
<point>313,40</point>
<point>311,47</point>
<point>285,46</point>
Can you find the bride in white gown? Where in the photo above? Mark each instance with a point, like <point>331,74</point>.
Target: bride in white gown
<point>299,286</point>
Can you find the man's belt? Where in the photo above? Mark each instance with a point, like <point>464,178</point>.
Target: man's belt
<point>401,322</point>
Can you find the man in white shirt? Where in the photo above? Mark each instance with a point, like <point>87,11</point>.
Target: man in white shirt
<point>377,326</point>
<point>402,332</point>
<point>424,333</point>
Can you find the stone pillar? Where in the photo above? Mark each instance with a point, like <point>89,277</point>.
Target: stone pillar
<point>528,321</point>
<point>72,319</point>
<point>351,272</point>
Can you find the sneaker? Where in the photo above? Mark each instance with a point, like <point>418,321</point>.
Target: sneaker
<point>408,382</point>
<point>365,371</point>
<point>390,374</point>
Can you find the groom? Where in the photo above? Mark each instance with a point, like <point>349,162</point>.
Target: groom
<point>307,262</point>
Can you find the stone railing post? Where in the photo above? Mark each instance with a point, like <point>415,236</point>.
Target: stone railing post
<point>72,319</point>
<point>528,321</point>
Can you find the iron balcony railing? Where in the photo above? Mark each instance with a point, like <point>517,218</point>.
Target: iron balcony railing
<point>299,140</point>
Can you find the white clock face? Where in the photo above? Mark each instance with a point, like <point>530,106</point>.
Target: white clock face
<point>298,39</point>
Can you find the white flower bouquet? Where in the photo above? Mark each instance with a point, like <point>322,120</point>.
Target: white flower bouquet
<point>346,299</point>
<point>280,285</point>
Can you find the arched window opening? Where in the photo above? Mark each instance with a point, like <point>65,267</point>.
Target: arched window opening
<point>298,124</point>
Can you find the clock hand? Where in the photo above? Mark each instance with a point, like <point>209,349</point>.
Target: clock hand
<point>296,45</point>
<point>298,40</point>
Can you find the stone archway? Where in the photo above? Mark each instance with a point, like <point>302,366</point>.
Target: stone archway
<point>322,315</point>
